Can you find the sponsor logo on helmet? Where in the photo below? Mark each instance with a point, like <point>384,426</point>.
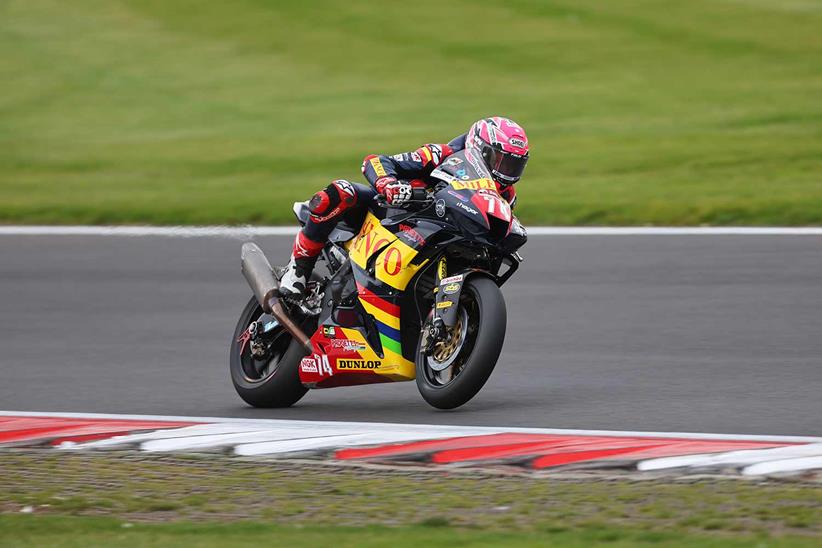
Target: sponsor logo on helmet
<point>358,364</point>
<point>478,166</point>
<point>517,142</point>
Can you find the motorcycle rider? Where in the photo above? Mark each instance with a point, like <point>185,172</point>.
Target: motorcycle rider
<point>500,142</point>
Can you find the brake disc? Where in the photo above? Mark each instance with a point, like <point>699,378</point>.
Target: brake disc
<point>445,352</point>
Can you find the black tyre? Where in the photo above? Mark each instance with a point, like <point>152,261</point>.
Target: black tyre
<point>454,372</point>
<point>273,381</point>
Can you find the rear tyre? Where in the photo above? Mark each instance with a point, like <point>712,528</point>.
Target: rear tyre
<point>475,352</point>
<point>275,380</point>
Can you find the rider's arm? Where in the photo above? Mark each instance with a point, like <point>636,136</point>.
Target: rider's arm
<point>409,165</point>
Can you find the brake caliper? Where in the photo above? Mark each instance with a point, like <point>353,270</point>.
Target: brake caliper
<point>247,335</point>
<point>435,333</point>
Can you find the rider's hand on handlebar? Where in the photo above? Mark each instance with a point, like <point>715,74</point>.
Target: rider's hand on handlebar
<point>395,192</point>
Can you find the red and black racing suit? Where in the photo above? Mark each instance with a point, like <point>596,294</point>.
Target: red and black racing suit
<point>345,200</point>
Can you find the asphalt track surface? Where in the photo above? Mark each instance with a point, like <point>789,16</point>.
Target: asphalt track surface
<point>654,333</point>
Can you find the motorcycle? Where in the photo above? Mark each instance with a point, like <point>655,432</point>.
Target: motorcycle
<point>412,294</point>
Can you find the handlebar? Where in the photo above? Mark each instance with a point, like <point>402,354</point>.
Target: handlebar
<point>419,196</point>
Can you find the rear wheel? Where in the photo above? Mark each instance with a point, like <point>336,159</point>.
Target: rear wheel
<point>265,370</point>
<point>457,367</point>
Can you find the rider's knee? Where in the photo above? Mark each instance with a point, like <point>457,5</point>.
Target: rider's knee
<point>333,199</point>
<point>346,192</point>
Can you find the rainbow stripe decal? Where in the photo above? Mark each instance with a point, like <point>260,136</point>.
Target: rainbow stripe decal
<point>387,318</point>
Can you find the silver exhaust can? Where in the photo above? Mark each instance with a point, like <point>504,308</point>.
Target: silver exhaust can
<point>260,277</point>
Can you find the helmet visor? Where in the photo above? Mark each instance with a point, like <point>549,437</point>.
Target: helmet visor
<point>506,165</point>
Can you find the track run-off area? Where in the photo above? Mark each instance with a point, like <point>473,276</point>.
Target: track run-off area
<point>644,329</point>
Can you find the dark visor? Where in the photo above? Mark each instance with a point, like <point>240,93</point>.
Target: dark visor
<point>506,165</point>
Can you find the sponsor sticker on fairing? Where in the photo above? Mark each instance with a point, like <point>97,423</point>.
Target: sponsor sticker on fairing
<point>444,304</point>
<point>308,365</point>
<point>409,232</point>
<point>347,345</point>
<point>451,279</point>
<point>451,288</point>
<point>358,364</point>
<point>475,184</point>
<point>439,208</point>
<point>442,175</point>
<point>468,209</point>
<point>458,195</point>
<point>316,364</point>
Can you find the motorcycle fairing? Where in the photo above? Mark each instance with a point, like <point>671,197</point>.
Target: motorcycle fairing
<point>473,194</point>
<point>390,258</point>
<point>382,263</point>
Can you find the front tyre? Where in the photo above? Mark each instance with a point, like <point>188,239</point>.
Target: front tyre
<point>272,378</point>
<point>457,368</point>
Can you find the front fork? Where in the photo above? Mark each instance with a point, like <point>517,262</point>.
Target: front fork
<point>448,290</point>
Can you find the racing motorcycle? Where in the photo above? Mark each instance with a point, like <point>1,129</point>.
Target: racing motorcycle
<point>414,293</point>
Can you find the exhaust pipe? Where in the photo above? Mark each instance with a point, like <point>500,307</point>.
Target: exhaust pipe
<point>260,277</point>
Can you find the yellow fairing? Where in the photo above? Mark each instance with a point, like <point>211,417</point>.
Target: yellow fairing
<point>393,264</point>
<point>393,365</point>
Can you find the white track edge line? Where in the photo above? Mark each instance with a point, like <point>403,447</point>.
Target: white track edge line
<point>251,231</point>
<point>457,429</point>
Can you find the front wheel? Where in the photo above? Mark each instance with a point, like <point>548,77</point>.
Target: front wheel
<point>456,368</point>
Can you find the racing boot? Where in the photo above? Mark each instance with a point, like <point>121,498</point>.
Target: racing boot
<point>298,271</point>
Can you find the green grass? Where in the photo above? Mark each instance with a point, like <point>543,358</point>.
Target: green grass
<point>22,531</point>
<point>310,498</point>
<point>183,111</point>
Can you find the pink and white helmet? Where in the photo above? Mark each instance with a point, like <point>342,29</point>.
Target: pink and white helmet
<point>503,145</point>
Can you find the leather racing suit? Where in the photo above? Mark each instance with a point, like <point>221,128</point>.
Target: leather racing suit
<point>344,200</point>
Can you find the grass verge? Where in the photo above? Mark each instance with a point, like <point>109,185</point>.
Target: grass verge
<point>21,531</point>
<point>308,502</point>
<point>180,112</point>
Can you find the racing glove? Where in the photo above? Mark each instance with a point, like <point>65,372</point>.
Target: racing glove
<point>395,192</point>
